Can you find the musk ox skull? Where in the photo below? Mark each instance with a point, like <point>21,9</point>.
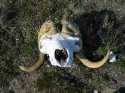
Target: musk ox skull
<point>61,47</point>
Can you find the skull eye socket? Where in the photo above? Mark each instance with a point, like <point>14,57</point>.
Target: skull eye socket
<point>57,54</point>
<point>61,54</point>
<point>64,53</point>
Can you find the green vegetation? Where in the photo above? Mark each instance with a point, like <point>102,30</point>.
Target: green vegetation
<point>62,80</point>
<point>28,51</point>
<point>21,19</point>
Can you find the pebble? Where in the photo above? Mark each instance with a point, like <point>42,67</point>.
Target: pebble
<point>95,91</point>
<point>112,57</point>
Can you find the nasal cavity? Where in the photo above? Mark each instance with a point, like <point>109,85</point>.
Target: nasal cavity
<point>61,54</point>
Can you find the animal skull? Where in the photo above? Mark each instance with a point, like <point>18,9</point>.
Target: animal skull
<point>60,47</point>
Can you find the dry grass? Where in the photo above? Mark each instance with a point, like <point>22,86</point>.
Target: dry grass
<point>21,19</point>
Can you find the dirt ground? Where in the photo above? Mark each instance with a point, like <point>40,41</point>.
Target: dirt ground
<point>102,24</point>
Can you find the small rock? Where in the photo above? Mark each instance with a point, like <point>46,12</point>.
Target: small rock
<point>95,91</point>
<point>112,57</point>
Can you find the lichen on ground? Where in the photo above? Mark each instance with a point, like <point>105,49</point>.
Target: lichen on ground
<point>21,19</point>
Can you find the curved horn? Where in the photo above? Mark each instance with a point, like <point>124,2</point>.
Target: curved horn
<point>91,64</point>
<point>47,29</point>
<point>68,27</point>
<point>34,66</point>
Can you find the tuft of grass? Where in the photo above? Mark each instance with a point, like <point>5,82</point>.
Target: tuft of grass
<point>28,51</point>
